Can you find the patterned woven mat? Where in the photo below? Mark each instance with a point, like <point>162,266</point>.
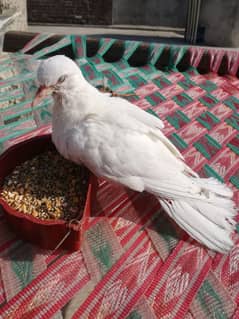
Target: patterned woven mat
<point>134,263</point>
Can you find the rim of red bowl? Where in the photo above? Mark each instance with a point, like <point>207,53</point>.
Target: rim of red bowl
<point>9,210</point>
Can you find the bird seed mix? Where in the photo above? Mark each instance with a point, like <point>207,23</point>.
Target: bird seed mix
<point>47,187</point>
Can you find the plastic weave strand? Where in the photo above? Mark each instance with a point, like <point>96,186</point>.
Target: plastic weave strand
<point>134,262</point>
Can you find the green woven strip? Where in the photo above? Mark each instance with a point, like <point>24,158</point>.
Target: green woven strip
<point>39,38</point>
<point>208,100</point>
<point>233,121</point>
<point>211,173</point>
<point>235,181</point>
<point>26,113</point>
<point>155,98</point>
<point>15,94</point>
<point>148,71</point>
<point>90,71</point>
<point>12,125</point>
<point>105,45</point>
<point>18,78</point>
<point>134,315</point>
<point>21,104</point>
<point>186,84</point>
<point>234,144</point>
<point>78,44</point>
<point>155,52</point>
<point>162,82</point>
<point>192,70</point>
<point>232,102</point>
<point>234,148</point>
<point>152,112</point>
<point>182,99</point>
<point>217,307</point>
<point>213,142</point>
<point>13,57</point>
<point>178,141</point>
<point>207,146</point>
<point>6,67</point>
<point>17,133</point>
<point>208,120</point>
<point>208,86</point>
<point>175,56</point>
<point>178,119</point>
<point>136,80</point>
<point>52,48</point>
<point>130,48</point>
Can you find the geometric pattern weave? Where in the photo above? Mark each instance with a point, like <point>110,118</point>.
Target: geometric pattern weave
<point>135,262</point>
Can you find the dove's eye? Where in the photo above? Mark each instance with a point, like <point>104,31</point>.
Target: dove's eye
<point>61,78</point>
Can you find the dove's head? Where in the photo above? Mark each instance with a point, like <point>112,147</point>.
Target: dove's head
<point>55,75</point>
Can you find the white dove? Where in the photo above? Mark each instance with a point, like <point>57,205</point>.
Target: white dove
<point>120,142</point>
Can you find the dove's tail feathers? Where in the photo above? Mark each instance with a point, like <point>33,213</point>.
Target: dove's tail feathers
<point>210,223</point>
<point>213,185</point>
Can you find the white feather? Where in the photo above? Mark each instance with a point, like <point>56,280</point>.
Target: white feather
<point>122,143</point>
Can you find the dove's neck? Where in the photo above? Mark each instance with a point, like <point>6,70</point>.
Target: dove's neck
<point>75,101</point>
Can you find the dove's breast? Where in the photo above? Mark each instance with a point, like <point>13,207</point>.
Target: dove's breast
<point>77,140</point>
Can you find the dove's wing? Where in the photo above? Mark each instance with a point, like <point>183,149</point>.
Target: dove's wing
<point>131,153</point>
<point>124,149</point>
<point>135,114</point>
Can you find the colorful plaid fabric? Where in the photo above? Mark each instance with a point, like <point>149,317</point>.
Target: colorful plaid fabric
<point>135,262</point>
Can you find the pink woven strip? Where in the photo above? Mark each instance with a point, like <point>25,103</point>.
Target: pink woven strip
<point>190,133</point>
<point>226,163</point>
<point>226,268</point>
<point>196,56</point>
<point>216,57</point>
<point>236,314</point>
<point>110,200</point>
<point>136,277</point>
<point>233,62</point>
<point>222,133</point>
<point>143,309</point>
<point>179,280</point>
<point>100,236</point>
<point>109,278</point>
<point>171,91</point>
<point>2,293</point>
<point>196,92</point>
<point>28,124</point>
<point>222,112</point>
<point>194,110</point>
<point>37,39</point>
<point>174,77</point>
<point>49,291</point>
<point>11,282</point>
<point>147,89</point>
<point>165,108</point>
<point>127,235</point>
<point>113,207</point>
<point>124,230</point>
<point>36,132</point>
<point>212,301</point>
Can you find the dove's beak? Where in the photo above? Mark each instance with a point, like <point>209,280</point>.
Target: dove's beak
<point>42,92</point>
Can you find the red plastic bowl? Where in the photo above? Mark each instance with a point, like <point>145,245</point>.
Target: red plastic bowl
<point>46,234</point>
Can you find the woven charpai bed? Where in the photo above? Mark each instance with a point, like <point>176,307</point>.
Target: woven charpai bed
<point>134,262</point>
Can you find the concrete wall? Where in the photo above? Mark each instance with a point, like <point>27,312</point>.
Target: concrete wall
<point>221,21</point>
<point>91,12</point>
<point>17,7</point>
<point>169,13</point>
